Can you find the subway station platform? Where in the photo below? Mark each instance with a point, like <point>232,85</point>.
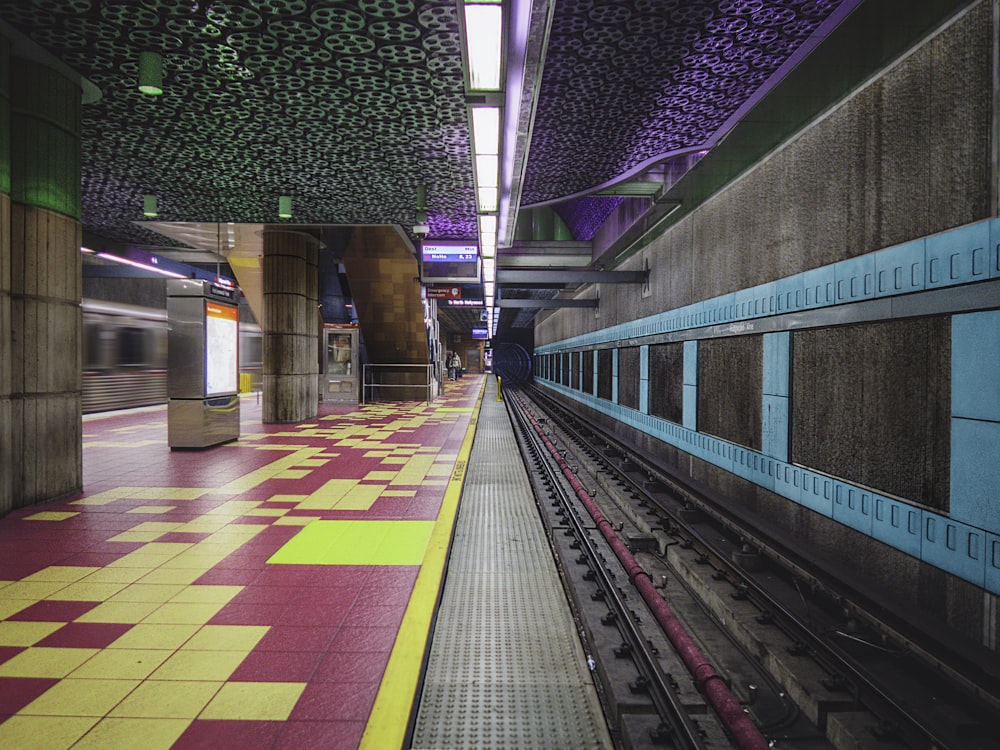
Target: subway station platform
<point>276,592</point>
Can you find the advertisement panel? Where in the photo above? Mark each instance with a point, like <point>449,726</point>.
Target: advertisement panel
<point>221,349</point>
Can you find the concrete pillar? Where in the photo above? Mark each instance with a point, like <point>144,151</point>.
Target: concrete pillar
<point>6,426</point>
<point>290,326</point>
<point>44,285</point>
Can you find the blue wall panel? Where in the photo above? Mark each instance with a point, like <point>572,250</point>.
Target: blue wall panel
<point>644,379</point>
<point>777,363</point>
<point>774,426</point>
<point>975,365</point>
<point>993,563</point>
<point>995,249</point>
<point>897,524</point>
<point>816,492</point>
<point>852,506</point>
<point>899,269</point>
<point>855,279</point>
<point>614,376</point>
<point>959,256</point>
<point>820,286</point>
<point>975,472</point>
<point>955,547</point>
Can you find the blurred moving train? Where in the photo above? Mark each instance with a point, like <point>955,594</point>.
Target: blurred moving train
<point>125,356</point>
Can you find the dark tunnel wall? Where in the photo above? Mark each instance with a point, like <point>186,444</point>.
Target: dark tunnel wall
<point>907,156</point>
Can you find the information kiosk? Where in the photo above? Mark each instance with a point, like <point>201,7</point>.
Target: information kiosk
<point>203,363</point>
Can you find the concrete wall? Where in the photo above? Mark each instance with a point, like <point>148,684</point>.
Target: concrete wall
<point>908,155</point>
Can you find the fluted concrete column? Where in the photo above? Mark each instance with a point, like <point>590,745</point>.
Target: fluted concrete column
<point>290,329</point>
<point>6,425</point>
<point>45,284</point>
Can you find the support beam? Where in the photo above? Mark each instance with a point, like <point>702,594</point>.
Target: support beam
<point>538,304</point>
<point>554,278</point>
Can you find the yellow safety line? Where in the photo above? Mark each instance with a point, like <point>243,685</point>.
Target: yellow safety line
<point>388,720</point>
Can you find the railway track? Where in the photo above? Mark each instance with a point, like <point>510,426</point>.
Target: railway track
<point>812,664</point>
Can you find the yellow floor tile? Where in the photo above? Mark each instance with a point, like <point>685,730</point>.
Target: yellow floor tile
<point>45,662</point>
<point>34,590</point>
<point>24,633</point>
<point>167,637</point>
<point>87,592</point>
<point>80,698</point>
<point>357,543</point>
<point>267,512</point>
<point>255,701</point>
<point>136,536</point>
<point>167,700</point>
<point>133,734</point>
<point>124,612</point>
<point>152,509</point>
<point>120,664</point>
<point>44,732</point>
<point>115,575</point>
<point>207,594</point>
<point>50,515</point>
<point>10,607</point>
<point>313,462</point>
<point>183,576</point>
<point>140,559</point>
<point>165,548</point>
<point>295,520</point>
<point>233,508</point>
<point>184,613</point>
<point>199,665</point>
<point>203,525</point>
<point>399,493</point>
<point>378,454</point>
<point>293,474</point>
<point>380,476</point>
<point>227,638</point>
<point>287,498</point>
<point>394,461</point>
<point>193,561</point>
<point>148,592</point>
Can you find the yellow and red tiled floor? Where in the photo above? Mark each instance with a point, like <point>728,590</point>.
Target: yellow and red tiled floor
<point>275,592</point>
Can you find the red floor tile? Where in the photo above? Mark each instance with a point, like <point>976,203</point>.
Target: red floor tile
<point>85,635</point>
<point>8,652</point>
<point>206,734</point>
<point>348,667</point>
<point>277,666</point>
<point>364,639</point>
<point>53,611</point>
<point>18,692</point>
<point>297,638</point>
<point>342,701</point>
<point>248,614</point>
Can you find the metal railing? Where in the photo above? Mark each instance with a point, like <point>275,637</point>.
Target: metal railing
<point>374,379</point>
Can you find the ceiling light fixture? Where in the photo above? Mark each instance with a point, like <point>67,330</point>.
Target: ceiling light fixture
<point>151,73</point>
<point>285,207</point>
<point>483,40</point>
<point>149,208</point>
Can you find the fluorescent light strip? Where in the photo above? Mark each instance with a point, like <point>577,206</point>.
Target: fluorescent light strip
<point>486,130</point>
<point>143,266</point>
<point>483,38</point>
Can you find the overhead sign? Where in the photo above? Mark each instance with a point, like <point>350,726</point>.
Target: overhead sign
<point>444,292</point>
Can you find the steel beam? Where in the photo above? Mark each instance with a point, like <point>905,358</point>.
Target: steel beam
<point>550,278</point>
<point>539,304</point>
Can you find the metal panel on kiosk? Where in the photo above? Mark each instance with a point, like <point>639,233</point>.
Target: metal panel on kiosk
<point>340,370</point>
<point>203,364</point>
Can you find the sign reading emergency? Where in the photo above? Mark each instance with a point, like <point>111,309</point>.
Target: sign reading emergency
<point>444,292</point>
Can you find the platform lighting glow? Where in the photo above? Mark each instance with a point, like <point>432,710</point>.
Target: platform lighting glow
<point>489,269</point>
<point>488,289</point>
<point>285,207</point>
<point>151,73</point>
<point>149,207</point>
<point>486,130</point>
<point>488,226</point>
<point>483,39</point>
<point>143,266</point>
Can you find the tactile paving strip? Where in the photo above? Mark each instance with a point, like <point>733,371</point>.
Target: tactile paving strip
<point>506,667</point>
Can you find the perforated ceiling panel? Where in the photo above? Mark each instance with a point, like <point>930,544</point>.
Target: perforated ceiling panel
<point>348,105</point>
<point>629,83</point>
<point>345,106</point>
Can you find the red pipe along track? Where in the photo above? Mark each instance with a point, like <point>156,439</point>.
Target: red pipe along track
<point>711,684</point>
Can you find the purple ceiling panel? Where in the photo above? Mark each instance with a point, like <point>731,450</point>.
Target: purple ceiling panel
<point>629,83</point>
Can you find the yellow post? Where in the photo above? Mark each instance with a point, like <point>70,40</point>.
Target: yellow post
<point>499,388</point>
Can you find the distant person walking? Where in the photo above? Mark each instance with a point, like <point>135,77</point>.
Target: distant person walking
<point>455,366</point>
